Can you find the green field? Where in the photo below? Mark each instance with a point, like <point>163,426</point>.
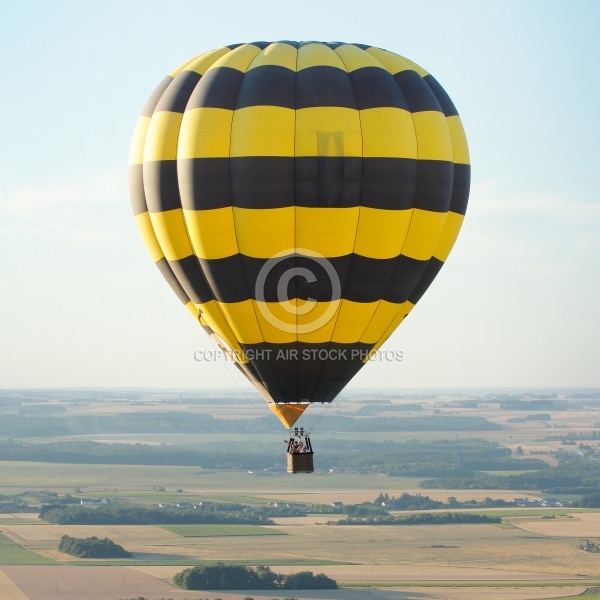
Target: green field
<point>108,478</point>
<point>14,554</point>
<point>220,530</point>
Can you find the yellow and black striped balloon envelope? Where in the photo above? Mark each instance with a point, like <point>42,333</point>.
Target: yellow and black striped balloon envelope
<point>299,198</point>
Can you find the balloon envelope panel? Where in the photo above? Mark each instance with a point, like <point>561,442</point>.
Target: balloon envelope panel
<point>299,198</point>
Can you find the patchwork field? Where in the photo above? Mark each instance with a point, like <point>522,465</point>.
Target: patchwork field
<point>532,555</point>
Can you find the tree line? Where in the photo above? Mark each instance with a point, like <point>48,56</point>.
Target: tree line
<point>138,515</point>
<point>92,547</point>
<point>233,577</point>
<point>432,518</point>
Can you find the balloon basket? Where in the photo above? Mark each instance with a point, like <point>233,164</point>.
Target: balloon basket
<point>299,452</point>
<point>300,462</point>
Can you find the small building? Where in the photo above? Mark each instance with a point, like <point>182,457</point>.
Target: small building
<point>337,504</point>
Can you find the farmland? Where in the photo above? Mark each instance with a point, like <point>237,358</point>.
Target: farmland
<point>532,553</point>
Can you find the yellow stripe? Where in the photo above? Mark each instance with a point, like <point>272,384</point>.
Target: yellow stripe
<point>388,132</point>
<point>321,131</point>
<point>459,140</point>
<point>238,59</point>
<point>381,233</point>
<point>423,234</point>
<point>448,236</point>
<point>254,322</point>
<point>328,131</point>
<point>263,131</point>
<point>355,58</point>
<point>204,61</point>
<point>391,62</point>
<point>161,139</point>
<point>433,137</point>
<point>193,310</point>
<point>281,55</point>
<point>212,232</point>
<point>211,316</point>
<point>352,320</point>
<point>242,319</point>
<point>205,133</point>
<point>264,233</point>
<point>296,320</point>
<point>145,226</point>
<point>136,150</point>
<point>278,325</point>
<point>318,55</point>
<point>384,314</point>
<point>414,66</point>
<point>341,321</point>
<point>327,231</point>
<point>171,234</point>
<point>182,66</point>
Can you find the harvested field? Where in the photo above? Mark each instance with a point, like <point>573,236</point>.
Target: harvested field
<point>87,583</point>
<point>30,532</point>
<point>449,546</point>
<point>581,525</point>
<point>109,583</point>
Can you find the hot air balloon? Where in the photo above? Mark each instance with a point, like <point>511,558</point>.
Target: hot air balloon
<point>299,198</point>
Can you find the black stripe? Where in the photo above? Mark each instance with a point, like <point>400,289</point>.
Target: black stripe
<point>376,88</point>
<point>460,189</point>
<point>389,183</point>
<point>298,371</point>
<point>150,105</point>
<point>417,93</point>
<point>288,42</point>
<point>267,374</point>
<point>327,181</point>
<point>167,273</point>
<point>308,42</point>
<point>441,95</point>
<point>265,182</point>
<point>433,268</point>
<point>407,273</point>
<point>161,185</point>
<point>362,279</point>
<point>268,85</point>
<point>324,86</point>
<point>261,45</point>
<point>434,185</point>
<point>136,189</point>
<point>234,46</point>
<point>361,46</point>
<point>204,183</point>
<point>178,93</point>
<point>319,181</point>
<point>367,278</point>
<point>226,278</point>
<point>191,278</point>
<point>217,89</point>
<point>271,272</point>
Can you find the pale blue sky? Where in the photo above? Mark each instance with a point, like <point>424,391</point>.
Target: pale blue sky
<point>516,305</point>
